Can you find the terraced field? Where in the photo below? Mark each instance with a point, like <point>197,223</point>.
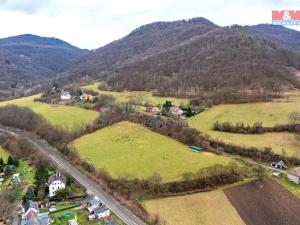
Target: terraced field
<point>141,97</point>
<point>130,150</point>
<point>207,208</point>
<point>68,117</point>
<point>270,113</point>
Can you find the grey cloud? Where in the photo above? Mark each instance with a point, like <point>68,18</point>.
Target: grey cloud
<point>25,6</point>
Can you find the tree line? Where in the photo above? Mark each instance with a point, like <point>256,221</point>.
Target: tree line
<point>239,127</point>
<point>231,96</point>
<point>256,128</point>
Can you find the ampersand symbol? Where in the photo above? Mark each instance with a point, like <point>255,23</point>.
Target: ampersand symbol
<point>286,15</point>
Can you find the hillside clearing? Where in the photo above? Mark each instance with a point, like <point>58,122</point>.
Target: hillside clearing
<point>140,97</point>
<point>130,150</point>
<point>67,117</point>
<point>207,208</point>
<point>270,113</point>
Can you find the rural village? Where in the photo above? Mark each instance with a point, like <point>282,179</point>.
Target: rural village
<point>50,197</point>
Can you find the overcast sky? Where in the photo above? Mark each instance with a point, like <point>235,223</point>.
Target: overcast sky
<point>94,23</point>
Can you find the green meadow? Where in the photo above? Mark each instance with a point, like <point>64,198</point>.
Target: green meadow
<point>130,150</point>
<point>142,97</point>
<point>3,154</point>
<point>269,113</point>
<point>67,117</point>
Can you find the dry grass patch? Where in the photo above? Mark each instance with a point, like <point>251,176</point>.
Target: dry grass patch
<point>207,208</point>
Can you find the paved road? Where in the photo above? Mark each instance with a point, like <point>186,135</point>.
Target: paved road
<point>122,212</point>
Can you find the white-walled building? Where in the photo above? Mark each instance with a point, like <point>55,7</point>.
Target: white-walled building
<point>56,182</point>
<point>294,175</point>
<point>176,111</point>
<point>65,95</point>
<point>99,213</point>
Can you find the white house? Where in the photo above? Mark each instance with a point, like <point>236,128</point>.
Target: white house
<point>16,178</point>
<point>280,165</point>
<point>65,95</point>
<point>152,108</point>
<point>294,175</point>
<point>93,203</point>
<point>176,111</point>
<point>100,213</point>
<point>56,182</point>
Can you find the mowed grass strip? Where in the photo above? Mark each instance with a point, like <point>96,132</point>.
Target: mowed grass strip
<point>131,150</point>
<point>138,96</point>
<point>68,117</point>
<point>270,114</point>
<point>207,208</point>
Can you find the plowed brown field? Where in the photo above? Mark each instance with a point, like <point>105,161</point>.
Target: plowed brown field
<point>264,203</point>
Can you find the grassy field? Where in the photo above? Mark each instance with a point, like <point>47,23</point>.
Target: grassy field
<point>64,116</point>
<point>3,154</point>
<point>142,97</point>
<point>130,150</point>
<point>207,208</point>
<point>270,113</point>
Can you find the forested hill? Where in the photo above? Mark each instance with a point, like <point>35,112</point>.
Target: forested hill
<point>141,43</point>
<point>188,56</point>
<point>279,34</point>
<point>229,57</point>
<point>32,58</point>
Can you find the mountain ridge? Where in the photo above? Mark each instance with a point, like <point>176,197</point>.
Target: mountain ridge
<point>30,56</point>
<point>27,60</point>
<point>129,64</point>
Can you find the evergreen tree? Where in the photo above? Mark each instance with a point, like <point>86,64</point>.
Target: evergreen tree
<point>10,161</point>
<point>189,112</point>
<point>29,195</point>
<point>167,105</point>
<point>1,165</point>
<point>41,177</point>
<point>16,162</point>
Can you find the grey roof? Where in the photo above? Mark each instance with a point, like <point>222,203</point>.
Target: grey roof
<point>281,163</point>
<point>72,222</point>
<point>31,204</point>
<point>112,222</point>
<point>57,176</point>
<point>100,209</point>
<point>43,218</point>
<point>93,201</point>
